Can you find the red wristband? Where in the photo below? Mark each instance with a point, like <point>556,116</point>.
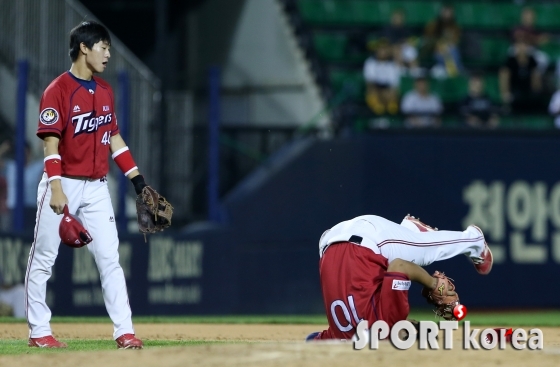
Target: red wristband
<point>124,160</point>
<point>53,167</point>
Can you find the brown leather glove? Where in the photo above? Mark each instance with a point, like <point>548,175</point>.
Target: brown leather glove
<point>443,296</point>
<point>153,210</point>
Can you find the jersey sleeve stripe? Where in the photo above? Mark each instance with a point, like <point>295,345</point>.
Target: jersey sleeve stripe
<point>54,178</point>
<point>52,156</point>
<point>119,152</point>
<point>130,170</point>
<point>48,129</point>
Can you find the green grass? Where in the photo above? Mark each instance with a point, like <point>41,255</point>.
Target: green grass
<point>505,318</point>
<point>74,345</point>
<point>482,318</point>
<point>527,319</point>
<point>229,319</point>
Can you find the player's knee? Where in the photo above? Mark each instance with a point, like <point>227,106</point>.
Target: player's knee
<point>397,265</point>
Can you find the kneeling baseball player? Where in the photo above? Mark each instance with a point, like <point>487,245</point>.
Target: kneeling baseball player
<point>367,265</point>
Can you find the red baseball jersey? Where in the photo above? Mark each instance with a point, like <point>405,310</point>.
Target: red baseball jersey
<point>356,286</point>
<point>84,120</point>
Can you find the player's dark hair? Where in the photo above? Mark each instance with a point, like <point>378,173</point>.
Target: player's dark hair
<point>89,33</point>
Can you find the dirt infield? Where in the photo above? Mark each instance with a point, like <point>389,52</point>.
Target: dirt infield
<point>261,345</point>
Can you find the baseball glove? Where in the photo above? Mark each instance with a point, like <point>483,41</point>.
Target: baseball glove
<point>154,211</point>
<point>443,296</point>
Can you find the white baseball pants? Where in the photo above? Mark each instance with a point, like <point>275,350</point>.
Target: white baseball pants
<point>407,242</point>
<point>90,201</point>
<point>404,241</point>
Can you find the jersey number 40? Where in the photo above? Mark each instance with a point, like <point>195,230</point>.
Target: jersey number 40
<point>106,139</point>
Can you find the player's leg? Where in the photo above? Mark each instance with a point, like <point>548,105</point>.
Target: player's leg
<point>415,225</point>
<point>483,263</point>
<point>423,248</point>
<point>96,216</point>
<point>42,255</point>
<point>349,275</point>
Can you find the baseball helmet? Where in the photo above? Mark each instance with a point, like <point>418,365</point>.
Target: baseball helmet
<point>72,232</point>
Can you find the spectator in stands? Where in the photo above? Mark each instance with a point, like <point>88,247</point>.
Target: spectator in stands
<point>526,32</point>
<point>382,75</point>
<point>476,109</point>
<point>402,41</point>
<point>441,39</point>
<point>521,81</point>
<point>420,107</point>
<point>32,175</point>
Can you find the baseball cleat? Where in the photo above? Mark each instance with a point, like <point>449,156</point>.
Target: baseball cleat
<point>129,341</point>
<point>423,227</point>
<point>313,336</point>
<point>483,264</point>
<point>46,342</point>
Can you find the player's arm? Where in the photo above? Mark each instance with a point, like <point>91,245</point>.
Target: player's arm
<point>414,272</point>
<point>123,158</point>
<point>54,172</point>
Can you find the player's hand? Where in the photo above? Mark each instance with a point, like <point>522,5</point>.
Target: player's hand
<point>58,198</point>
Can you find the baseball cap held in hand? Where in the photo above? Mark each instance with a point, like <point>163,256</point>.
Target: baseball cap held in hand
<point>72,232</point>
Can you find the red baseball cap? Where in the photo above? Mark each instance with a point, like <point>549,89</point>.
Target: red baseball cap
<point>72,232</point>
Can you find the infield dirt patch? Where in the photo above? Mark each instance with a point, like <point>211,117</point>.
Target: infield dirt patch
<point>261,345</point>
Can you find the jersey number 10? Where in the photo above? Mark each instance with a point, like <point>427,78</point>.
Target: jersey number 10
<point>340,303</point>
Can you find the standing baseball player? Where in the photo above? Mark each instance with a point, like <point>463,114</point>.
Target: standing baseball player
<point>367,265</point>
<point>78,126</point>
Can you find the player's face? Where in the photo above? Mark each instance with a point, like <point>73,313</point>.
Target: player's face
<point>98,57</point>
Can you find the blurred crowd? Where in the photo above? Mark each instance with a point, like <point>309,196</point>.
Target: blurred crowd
<point>8,186</point>
<point>398,52</point>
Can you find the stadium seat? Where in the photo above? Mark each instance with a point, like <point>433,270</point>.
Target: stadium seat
<point>451,121</point>
<point>490,52</point>
<point>492,88</point>
<point>316,12</point>
<point>329,46</point>
<point>487,15</point>
<point>333,47</point>
<point>547,15</point>
<point>417,13</point>
<point>530,122</point>
<point>472,14</point>
<point>552,49</point>
<point>352,80</point>
<point>536,122</point>
<point>336,12</point>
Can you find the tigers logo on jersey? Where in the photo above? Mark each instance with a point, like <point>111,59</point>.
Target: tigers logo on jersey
<point>85,123</point>
<point>49,116</point>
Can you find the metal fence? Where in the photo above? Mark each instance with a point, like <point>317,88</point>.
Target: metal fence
<point>39,32</point>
